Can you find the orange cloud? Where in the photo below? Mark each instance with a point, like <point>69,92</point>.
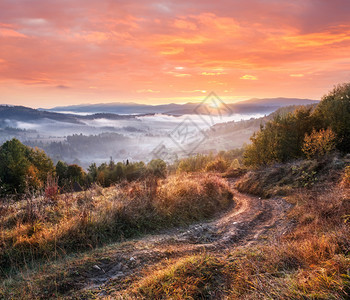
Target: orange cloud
<point>5,32</point>
<point>249,77</point>
<point>159,51</point>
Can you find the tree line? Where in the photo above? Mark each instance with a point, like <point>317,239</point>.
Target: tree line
<point>24,170</point>
<point>309,131</point>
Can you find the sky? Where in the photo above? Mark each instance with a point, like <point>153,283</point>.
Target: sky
<point>62,52</point>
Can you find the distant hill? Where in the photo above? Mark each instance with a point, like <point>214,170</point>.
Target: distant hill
<point>26,114</point>
<point>276,102</point>
<point>22,113</point>
<point>119,111</point>
<point>266,105</point>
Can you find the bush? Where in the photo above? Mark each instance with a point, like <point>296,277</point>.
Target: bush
<point>289,136</point>
<point>157,168</point>
<point>346,178</point>
<point>319,143</point>
<point>194,163</point>
<point>218,165</point>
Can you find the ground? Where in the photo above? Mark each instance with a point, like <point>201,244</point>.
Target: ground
<point>112,269</point>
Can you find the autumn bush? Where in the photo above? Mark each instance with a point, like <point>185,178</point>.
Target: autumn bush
<point>218,165</point>
<point>319,143</point>
<point>346,178</point>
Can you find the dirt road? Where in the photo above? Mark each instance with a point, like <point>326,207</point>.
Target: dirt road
<point>251,220</point>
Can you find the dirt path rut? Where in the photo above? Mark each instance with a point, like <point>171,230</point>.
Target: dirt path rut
<point>250,221</point>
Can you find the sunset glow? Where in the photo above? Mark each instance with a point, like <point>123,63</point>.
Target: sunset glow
<point>71,52</point>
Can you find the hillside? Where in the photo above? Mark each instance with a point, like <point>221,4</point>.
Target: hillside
<point>249,106</point>
<point>296,245</point>
<point>270,220</point>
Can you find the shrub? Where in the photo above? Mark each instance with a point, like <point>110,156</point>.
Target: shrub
<point>235,164</point>
<point>51,188</point>
<point>218,165</point>
<point>318,143</point>
<point>194,163</point>
<point>158,168</point>
<point>346,178</point>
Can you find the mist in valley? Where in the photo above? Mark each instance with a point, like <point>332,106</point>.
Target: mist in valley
<point>134,137</point>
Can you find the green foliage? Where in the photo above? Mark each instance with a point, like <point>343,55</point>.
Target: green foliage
<point>134,171</point>
<point>76,173</point>
<point>112,173</point>
<point>334,112</point>
<point>304,131</point>
<point>22,167</point>
<point>158,168</point>
<point>69,174</point>
<point>61,171</point>
<point>280,139</point>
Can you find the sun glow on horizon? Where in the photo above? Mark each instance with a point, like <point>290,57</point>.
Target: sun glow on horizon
<point>155,53</point>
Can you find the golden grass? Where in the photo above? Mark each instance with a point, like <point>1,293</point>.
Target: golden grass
<point>46,229</point>
<point>193,277</point>
<point>311,262</point>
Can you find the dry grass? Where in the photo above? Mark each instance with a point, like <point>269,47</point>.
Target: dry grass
<point>310,262</point>
<point>193,277</point>
<point>44,229</point>
<point>284,179</point>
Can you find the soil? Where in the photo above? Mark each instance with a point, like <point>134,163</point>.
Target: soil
<point>251,220</point>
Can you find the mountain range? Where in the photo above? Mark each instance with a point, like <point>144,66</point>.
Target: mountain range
<point>265,105</point>
<point>119,111</point>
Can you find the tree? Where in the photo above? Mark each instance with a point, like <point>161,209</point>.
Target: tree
<point>62,172</point>
<point>134,171</point>
<point>119,171</point>
<point>334,112</point>
<point>76,173</point>
<point>281,139</point>
<point>318,143</point>
<point>92,172</point>
<point>42,162</point>
<point>22,167</point>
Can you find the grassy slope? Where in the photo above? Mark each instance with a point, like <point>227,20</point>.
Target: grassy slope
<point>45,229</point>
<point>284,179</point>
<point>310,262</point>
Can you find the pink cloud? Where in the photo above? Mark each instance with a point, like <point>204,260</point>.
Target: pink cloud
<point>122,47</point>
